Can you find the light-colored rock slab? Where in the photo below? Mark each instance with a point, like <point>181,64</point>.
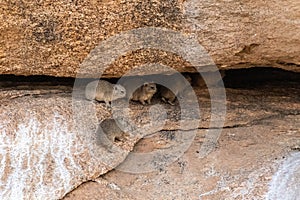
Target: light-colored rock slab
<point>43,153</point>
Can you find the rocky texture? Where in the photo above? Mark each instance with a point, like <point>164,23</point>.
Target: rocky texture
<point>54,38</point>
<point>49,145</point>
<point>247,163</point>
<point>241,168</point>
<point>44,153</point>
<point>285,182</point>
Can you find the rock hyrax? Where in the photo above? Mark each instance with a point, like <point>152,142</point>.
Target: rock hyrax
<point>144,93</point>
<point>177,84</point>
<point>111,134</point>
<point>104,91</point>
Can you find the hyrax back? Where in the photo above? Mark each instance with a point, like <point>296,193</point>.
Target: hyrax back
<point>176,84</point>
<point>111,133</point>
<point>104,91</point>
<point>112,130</point>
<point>167,95</point>
<point>139,90</point>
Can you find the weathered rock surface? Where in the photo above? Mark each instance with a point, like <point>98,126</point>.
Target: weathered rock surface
<point>48,142</point>
<point>53,38</point>
<point>245,164</point>
<point>240,168</point>
<point>43,152</point>
<point>285,182</point>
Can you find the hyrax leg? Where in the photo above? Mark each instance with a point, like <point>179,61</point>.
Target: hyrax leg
<point>107,104</point>
<point>142,101</point>
<point>170,102</point>
<point>149,101</point>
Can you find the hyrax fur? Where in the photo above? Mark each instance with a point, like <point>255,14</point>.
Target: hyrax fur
<point>143,93</point>
<point>111,133</point>
<point>177,84</point>
<point>104,91</point>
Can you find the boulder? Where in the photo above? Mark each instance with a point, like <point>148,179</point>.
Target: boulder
<point>54,38</point>
<point>44,153</point>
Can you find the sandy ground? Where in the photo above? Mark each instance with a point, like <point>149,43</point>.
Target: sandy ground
<point>251,157</point>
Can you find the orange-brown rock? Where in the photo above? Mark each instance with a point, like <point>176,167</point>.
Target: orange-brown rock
<point>54,37</point>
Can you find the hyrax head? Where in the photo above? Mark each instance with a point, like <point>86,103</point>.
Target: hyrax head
<point>149,88</point>
<point>118,92</point>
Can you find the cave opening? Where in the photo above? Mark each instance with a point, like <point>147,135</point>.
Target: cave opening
<point>247,78</point>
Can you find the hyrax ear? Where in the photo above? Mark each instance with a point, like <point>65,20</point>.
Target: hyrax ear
<point>146,84</point>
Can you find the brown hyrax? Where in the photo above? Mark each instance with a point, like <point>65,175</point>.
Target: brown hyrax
<point>104,91</point>
<point>111,133</point>
<point>143,93</point>
<point>177,84</point>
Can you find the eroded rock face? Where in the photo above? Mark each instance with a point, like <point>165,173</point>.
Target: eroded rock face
<point>47,148</point>
<point>43,153</point>
<point>49,144</point>
<point>53,38</point>
<point>262,127</point>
